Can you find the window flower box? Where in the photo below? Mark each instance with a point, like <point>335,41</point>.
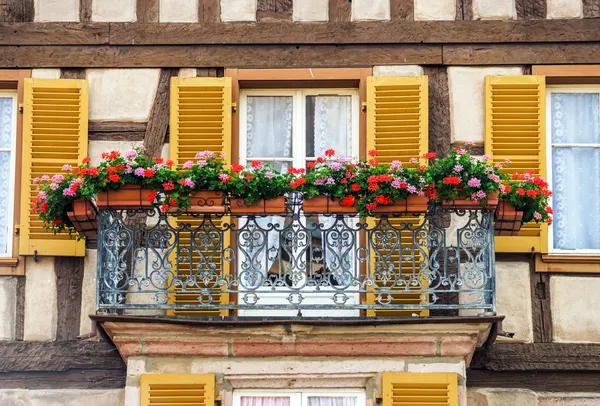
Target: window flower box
<point>238,207</point>
<point>507,219</point>
<point>128,197</point>
<point>84,218</point>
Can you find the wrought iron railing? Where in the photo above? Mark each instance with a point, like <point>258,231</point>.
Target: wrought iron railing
<point>440,263</point>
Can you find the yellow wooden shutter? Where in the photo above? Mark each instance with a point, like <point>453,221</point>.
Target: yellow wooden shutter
<point>177,390</point>
<point>515,129</point>
<point>55,132</point>
<point>412,389</point>
<point>398,128</point>
<point>201,110</point>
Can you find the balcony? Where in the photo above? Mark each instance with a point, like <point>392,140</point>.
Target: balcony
<point>312,266</point>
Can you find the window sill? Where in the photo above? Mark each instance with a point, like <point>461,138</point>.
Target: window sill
<point>558,263</point>
<point>12,266</point>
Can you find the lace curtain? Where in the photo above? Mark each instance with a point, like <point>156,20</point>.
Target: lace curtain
<point>331,401</point>
<point>285,401</point>
<point>264,401</point>
<point>6,135</point>
<point>576,171</point>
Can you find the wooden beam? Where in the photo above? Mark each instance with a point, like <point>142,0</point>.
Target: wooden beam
<point>531,9</point>
<point>147,11</point>
<point>541,309</point>
<point>262,56</point>
<point>156,130</point>
<point>536,381</point>
<point>69,285</point>
<point>126,131</point>
<point>72,73</point>
<point>20,309</point>
<point>538,357</point>
<point>72,379</point>
<point>591,8</point>
<point>16,11</point>
<point>402,10</point>
<point>209,11</point>
<point>524,54</point>
<point>439,110</point>
<point>274,10</point>
<point>464,10</point>
<point>340,10</point>
<point>54,33</point>
<point>85,11</point>
<point>391,32</point>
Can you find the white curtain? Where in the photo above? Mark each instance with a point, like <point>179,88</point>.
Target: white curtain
<point>333,129</point>
<point>264,401</point>
<point>331,401</point>
<point>6,135</point>
<point>576,171</point>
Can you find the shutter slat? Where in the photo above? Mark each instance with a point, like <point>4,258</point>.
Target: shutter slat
<point>397,127</point>
<point>515,129</point>
<point>420,389</point>
<point>200,120</point>
<point>177,390</point>
<point>55,132</point>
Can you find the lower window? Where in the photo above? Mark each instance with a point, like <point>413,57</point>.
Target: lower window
<point>320,397</point>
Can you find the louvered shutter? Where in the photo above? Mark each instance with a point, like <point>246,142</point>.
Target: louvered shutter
<point>412,389</point>
<point>398,128</point>
<point>515,129</point>
<point>201,120</point>
<point>177,390</point>
<point>55,132</point>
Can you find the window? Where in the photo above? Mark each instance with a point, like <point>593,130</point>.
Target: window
<point>8,131</point>
<point>327,397</point>
<point>290,128</point>
<point>574,168</point>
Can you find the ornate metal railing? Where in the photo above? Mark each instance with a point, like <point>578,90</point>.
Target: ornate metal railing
<point>441,263</point>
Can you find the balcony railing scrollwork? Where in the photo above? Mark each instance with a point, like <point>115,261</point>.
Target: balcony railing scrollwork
<point>440,263</point>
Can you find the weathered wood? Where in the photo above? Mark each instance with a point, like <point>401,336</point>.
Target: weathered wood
<point>274,10</point>
<point>391,32</point>
<point>591,8</point>
<point>156,130</point>
<point>464,9</point>
<point>126,131</point>
<point>28,356</point>
<point>85,11</point>
<point>531,9</point>
<point>207,72</point>
<point>541,310</point>
<point>536,381</point>
<point>439,110</point>
<point>507,54</point>
<point>69,281</point>
<point>402,9</point>
<point>72,73</point>
<point>72,379</point>
<point>263,56</point>
<point>209,11</point>
<point>20,309</point>
<point>147,11</point>
<point>16,10</point>
<point>539,357</point>
<point>54,33</point>
<point>340,10</point>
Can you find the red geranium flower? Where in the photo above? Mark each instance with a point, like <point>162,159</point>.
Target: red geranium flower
<point>344,181</point>
<point>330,152</point>
<point>164,208</point>
<point>310,164</point>
<point>170,162</point>
<point>430,155</point>
<point>451,180</point>
<point>86,160</point>
<point>373,187</point>
<point>374,162</point>
<point>371,206</point>
<point>114,178</point>
<point>348,201</point>
<point>237,167</point>
<point>148,173</point>
<point>521,191</point>
<point>373,153</point>
<point>159,160</point>
<point>152,196</point>
<point>355,187</point>
<point>169,185</point>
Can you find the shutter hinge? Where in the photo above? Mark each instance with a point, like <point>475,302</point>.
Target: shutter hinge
<point>17,230</point>
<point>363,106</point>
<point>20,108</point>
<point>540,290</point>
<point>234,107</point>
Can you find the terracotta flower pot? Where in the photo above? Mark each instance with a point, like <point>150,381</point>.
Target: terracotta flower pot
<point>207,201</point>
<point>84,218</point>
<point>507,220</point>
<point>464,204</point>
<point>326,205</point>
<point>263,207</point>
<point>128,197</point>
<point>412,204</point>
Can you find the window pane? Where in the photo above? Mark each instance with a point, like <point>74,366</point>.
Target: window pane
<point>5,185</point>
<point>264,401</point>
<point>576,198</point>
<point>328,125</point>
<point>269,126</point>
<point>332,401</point>
<point>575,118</point>
<point>6,122</point>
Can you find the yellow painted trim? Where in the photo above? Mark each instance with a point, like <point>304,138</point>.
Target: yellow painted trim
<point>208,380</point>
<point>48,244</point>
<point>394,378</point>
<point>519,243</point>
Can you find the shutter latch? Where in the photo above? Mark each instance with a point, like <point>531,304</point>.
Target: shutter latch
<point>234,107</point>
<point>20,108</point>
<point>363,106</point>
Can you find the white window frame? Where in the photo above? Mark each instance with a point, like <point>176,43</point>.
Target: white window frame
<point>299,157</point>
<point>11,188</point>
<point>549,91</point>
<point>300,397</point>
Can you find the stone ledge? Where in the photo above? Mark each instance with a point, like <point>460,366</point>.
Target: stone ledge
<point>424,337</point>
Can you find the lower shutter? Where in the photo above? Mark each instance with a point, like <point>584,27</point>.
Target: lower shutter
<point>177,390</point>
<point>420,389</point>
